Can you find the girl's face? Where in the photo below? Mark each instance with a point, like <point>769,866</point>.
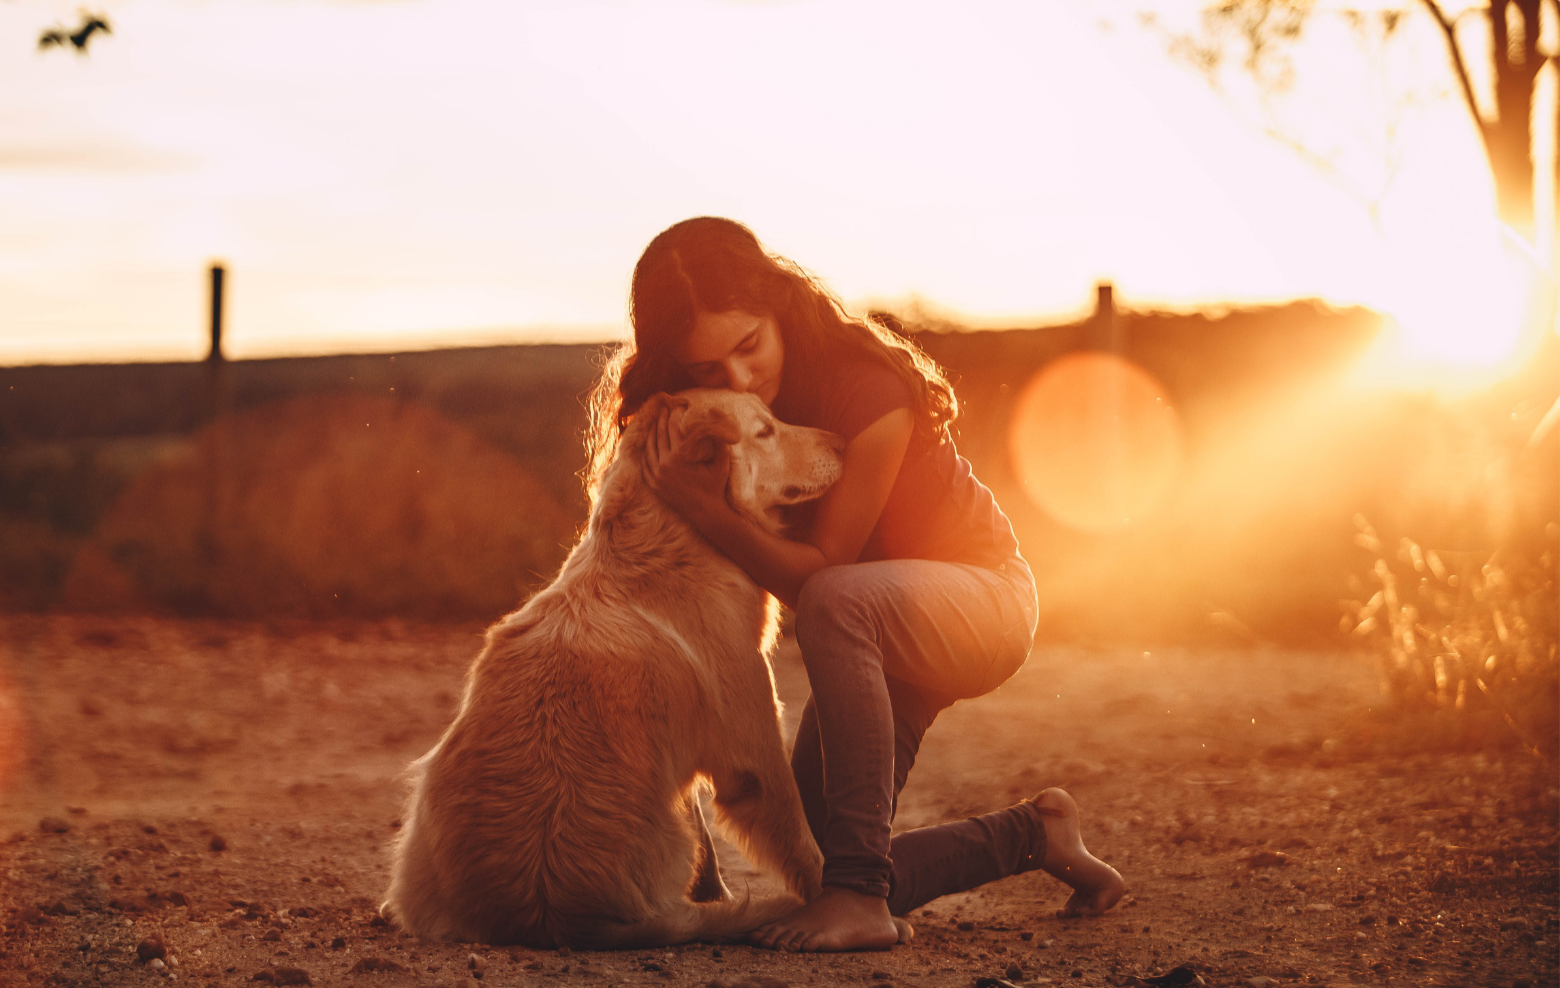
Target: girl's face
<point>736,350</point>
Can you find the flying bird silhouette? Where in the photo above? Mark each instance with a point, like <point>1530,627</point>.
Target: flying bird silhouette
<point>90,23</point>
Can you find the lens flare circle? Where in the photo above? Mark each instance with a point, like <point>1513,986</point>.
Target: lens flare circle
<point>1095,442</point>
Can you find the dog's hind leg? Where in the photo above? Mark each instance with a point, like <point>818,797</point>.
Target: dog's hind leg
<point>707,885</point>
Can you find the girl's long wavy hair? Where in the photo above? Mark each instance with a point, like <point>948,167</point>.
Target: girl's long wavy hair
<point>708,264</point>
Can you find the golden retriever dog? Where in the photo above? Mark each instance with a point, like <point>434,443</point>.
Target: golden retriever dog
<point>560,808</point>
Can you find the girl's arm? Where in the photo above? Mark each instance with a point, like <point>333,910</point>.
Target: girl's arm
<point>846,515</point>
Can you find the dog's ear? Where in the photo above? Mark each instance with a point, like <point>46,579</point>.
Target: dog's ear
<point>658,403</point>
<point>644,417</point>
<point>702,434</point>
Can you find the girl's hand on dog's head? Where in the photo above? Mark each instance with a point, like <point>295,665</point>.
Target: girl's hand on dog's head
<point>688,487</point>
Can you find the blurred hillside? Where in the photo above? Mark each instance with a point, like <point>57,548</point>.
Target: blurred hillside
<point>423,484</point>
<point>443,484</point>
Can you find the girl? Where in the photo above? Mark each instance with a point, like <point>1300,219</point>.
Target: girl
<point>908,590</point>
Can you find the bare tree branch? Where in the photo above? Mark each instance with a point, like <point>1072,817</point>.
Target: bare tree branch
<point>1450,30</point>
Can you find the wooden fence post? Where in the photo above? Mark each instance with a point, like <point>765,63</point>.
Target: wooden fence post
<point>219,398</point>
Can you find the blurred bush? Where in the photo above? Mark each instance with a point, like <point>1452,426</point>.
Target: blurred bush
<point>324,505</point>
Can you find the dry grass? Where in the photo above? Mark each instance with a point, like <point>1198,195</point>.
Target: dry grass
<point>1458,635</point>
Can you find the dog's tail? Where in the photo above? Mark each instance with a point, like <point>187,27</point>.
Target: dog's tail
<point>685,921</point>
<point>688,921</point>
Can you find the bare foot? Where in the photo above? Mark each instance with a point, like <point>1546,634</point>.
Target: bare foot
<point>1096,885</point>
<point>839,919</point>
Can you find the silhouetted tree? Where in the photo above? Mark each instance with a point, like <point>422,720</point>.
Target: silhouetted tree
<point>1261,29</point>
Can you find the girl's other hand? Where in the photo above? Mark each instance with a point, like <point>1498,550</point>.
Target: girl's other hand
<point>691,487</point>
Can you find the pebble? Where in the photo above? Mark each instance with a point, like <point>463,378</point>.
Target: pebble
<point>476,962</point>
<point>53,825</point>
<point>966,926</point>
<point>156,964</point>
<point>1318,907</point>
<point>370,965</point>
<point>1260,982</point>
<point>1268,859</point>
<point>151,948</point>
<point>218,843</point>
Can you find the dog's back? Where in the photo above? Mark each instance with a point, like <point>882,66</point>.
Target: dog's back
<point>545,807</point>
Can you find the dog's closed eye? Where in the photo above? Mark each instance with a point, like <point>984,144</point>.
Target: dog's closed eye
<point>767,431</point>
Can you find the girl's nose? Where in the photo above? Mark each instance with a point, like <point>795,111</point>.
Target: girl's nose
<point>738,377</point>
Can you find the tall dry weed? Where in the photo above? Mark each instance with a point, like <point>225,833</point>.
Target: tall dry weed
<point>1464,633</point>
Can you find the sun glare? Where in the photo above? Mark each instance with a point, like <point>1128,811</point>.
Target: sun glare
<point>1095,442</point>
<point>1460,317</point>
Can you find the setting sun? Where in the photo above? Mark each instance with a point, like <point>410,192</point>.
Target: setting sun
<point>1464,312</point>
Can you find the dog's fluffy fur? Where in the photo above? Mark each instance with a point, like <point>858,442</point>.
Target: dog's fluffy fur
<point>558,808</point>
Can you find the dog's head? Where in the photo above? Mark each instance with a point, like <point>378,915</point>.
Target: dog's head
<point>772,464</point>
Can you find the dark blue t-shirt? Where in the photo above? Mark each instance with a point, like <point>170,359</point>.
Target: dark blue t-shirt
<point>936,509</point>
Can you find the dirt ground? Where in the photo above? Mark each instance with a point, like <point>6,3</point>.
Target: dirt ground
<point>211,802</point>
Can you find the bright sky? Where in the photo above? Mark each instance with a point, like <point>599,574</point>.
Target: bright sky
<point>392,175</point>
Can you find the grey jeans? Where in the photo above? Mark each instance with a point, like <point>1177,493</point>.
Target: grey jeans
<point>887,645</point>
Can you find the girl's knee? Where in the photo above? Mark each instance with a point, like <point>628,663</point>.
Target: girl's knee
<point>828,601</point>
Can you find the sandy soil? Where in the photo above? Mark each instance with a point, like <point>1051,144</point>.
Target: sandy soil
<point>220,796</point>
